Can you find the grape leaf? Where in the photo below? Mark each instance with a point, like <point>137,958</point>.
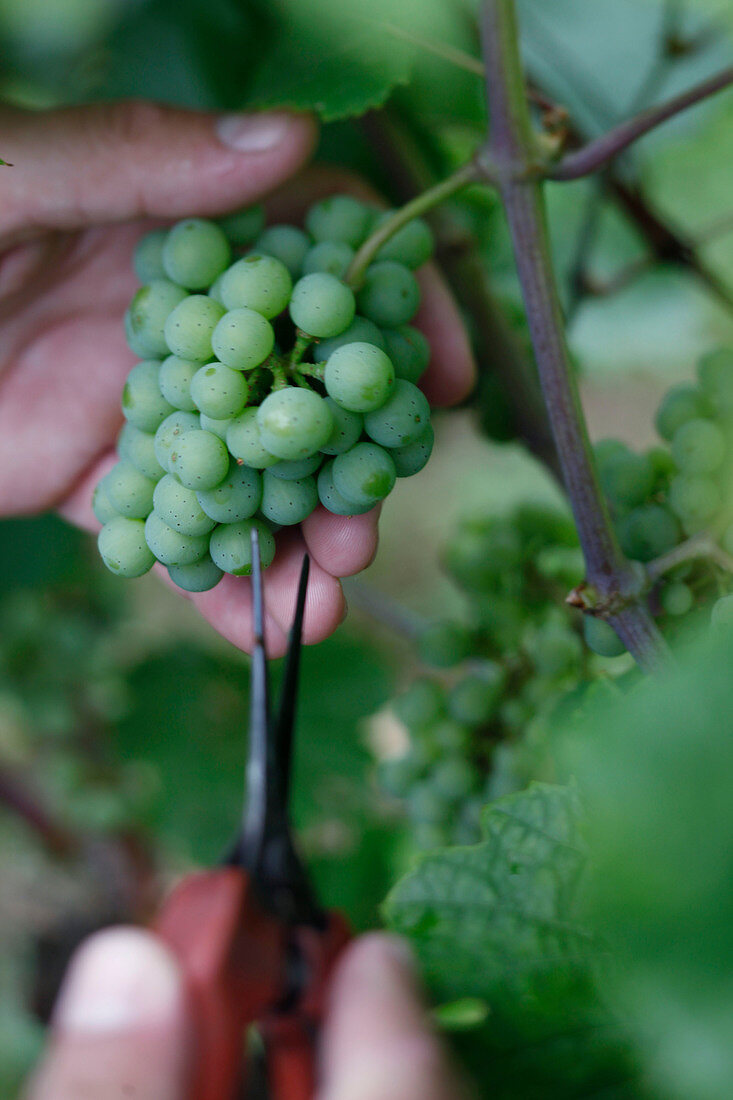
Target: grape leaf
<point>655,772</point>
<point>330,59</point>
<point>498,921</point>
<point>500,912</point>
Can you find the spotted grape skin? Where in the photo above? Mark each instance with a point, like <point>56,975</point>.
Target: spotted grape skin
<point>123,547</point>
<point>402,419</point>
<point>231,546</point>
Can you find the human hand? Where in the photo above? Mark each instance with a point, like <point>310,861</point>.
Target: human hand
<point>121,1029</point>
<point>85,184</point>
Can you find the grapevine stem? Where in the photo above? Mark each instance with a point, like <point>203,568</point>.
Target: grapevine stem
<point>465,175</point>
<point>510,152</point>
<point>597,153</point>
<point>699,546</point>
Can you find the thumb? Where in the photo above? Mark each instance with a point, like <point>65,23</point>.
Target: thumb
<point>377,1043</point>
<point>120,1027</point>
<point>105,162</point>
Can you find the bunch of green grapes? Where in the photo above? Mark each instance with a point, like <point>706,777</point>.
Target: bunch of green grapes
<point>267,386</point>
<point>518,652</point>
<point>676,492</point>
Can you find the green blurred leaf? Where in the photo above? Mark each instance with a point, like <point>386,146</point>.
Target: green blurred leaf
<point>498,921</point>
<point>39,551</point>
<point>329,58</point>
<point>656,773</point>
<point>189,719</point>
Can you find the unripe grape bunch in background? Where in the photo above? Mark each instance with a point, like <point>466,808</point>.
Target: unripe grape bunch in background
<point>267,387</point>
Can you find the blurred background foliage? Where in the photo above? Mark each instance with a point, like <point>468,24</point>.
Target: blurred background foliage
<point>122,716</point>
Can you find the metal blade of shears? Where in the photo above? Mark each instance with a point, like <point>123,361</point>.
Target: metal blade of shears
<point>266,847</point>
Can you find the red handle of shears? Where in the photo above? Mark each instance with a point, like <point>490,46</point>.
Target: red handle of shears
<point>234,958</point>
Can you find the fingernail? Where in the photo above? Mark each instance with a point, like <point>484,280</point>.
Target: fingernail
<point>120,980</point>
<point>254,133</point>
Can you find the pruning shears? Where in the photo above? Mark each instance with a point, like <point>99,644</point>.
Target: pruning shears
<point>254,944</point>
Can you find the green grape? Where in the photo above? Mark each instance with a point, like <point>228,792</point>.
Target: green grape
<point>139,450</point>
<point>413,457</point>
<point>149,310</point>
<point>171,547</point>
<point>136,344</point>
<point>200,576</point>
<point>175,380</point>
<point>294,471</point>
<point>397,776</point>
<point>236,498</point>
<point>563,564</point>
<point>475,698</point>
<point>218,427</point>
<point>662,464</point>
<point>698,447</point>
<point>287,502</point>
<point>191,326</point>
<point>409,351</point>
<point>476,555</point>
<point>219,391</point>
<point>179,508</point>
<point>390,295</point>
<point>555,650</point>
<point>448,735</point>
<point>257,282</point>
<point>427,804</point>
<point>244,440</point>
<point>195,252</point>
<point>542,523</point>
<point>231,546</point>
<point>200,460</point>
<point>123,547</point>
<point>147,259</point>
<point>365,474</point>
<point>677,598</point>
<point>626,478</point>
<point>102,507</point>
<point>321,305</point>
<point>715,373</point>
<point>129,492</point>
<point>214,290</point>
<point>412,245</point>
<point>721,615</point>
<point>333,257</point>
<point>243,339</point>
<point>444,644</point>
<point>142,402</point>
<point>244,226</point>
<point>402,419</point>
<point>294,423</point>
<point>420,704</point>
<point>334,501</point>
<point>347,429</point>
<point>170,432</point>
<point>695,500</point>
<point>680,404</point>
<point>359,377</point>
<point>455,777</point>
<point>601,637</point>
<point>648,531</point>
<point>339,218</point>
<point>285,243</point>
<point>360,331</point>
